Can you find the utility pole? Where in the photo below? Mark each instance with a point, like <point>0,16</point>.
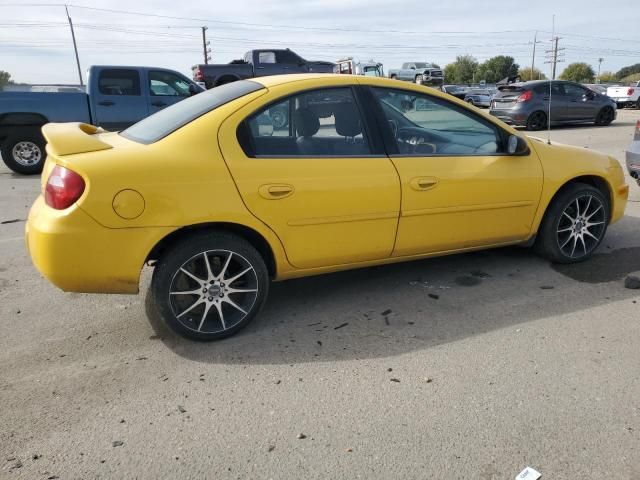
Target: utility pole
<point>533,56</point>
<point>600,60</point>
<point>554,56</point>
<point>205,46</point>
<point>75,47</point>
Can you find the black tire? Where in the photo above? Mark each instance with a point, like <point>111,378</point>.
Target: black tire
<point>392,77</point>
<point>419,80</point>
<point>197,315</point>
<point>470,101</point>
<point>24,151</point>
<point>537,121</point>
<point>557,229</point>
<point>604,117</point>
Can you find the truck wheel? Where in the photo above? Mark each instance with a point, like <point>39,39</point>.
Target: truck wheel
<point>392,77</point>
<point>24,151</point>
<point>419,79</point>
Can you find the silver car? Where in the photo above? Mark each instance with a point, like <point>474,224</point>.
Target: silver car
<point>479,98</point>
<point>633,155</point>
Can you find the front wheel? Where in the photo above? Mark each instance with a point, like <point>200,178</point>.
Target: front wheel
<point>574,224</point>
<point>393,77</point>
<point>537,121</point>
<point>604,117</point>
<point>419,79</point>
<point>24,151</point>
<point>210,285</point>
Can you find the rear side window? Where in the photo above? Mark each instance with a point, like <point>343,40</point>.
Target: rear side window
<point>170,119</point>
<point>266,57</point>
<point>119,82</point>
<point>317,123</point>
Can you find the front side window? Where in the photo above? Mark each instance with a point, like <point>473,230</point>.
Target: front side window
<point>117,81</point>
<point>168,84</point>
<point>424,125</point>
<point>574,90</point>
<point>318,123</point>
<point>287,56</point>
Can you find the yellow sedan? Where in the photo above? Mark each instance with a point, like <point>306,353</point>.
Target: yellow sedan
<point>296,175</point>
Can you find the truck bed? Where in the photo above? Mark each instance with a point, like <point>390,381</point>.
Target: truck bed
<point>55,106</point>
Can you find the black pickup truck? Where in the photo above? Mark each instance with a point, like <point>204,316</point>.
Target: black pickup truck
<point>257,63</point>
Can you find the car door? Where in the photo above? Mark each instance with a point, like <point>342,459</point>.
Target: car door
<point>265,63</point>
<point>321,182</point>
<point>165,88</point>
<point>459,190</point>
<point>580,103</point>
<point>290,62</point>
<point>558,107</point>
<point>117,100</point>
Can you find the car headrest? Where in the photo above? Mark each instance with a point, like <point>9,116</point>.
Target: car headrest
<point>347,121</point>
<point>307,123</point>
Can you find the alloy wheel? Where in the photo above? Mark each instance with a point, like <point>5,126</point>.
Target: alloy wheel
<point>581,226</point>
<point>26,153</point>
<point>213,291</point>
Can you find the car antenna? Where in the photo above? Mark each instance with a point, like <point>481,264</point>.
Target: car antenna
<point>553,34</point>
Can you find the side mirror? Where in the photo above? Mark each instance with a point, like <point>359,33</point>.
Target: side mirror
<point>589,95</point>
<point>193,89</point>
<point>517,145</point>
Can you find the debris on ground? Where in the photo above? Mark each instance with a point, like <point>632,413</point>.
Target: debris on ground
<point>547,287</point>
<point>271,448</point>
<point>480,274</point>
<point>341,325</point>
<point>632,282</point>
<point>528,474</point>
<point>388,311</point>
<point>434,296</point>
<point>15,220</point>
<point>389,369</point>
<point>181,409</point>
<point>117,443</point>
<point>396,380</point>
<point>301,436</point>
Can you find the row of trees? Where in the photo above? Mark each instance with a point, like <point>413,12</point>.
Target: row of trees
<point>466,69</point>
<point>5,79</point>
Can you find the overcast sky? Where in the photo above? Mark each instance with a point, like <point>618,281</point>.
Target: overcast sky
<point>35,41</point>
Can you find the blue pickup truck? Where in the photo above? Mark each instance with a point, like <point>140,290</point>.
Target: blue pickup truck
<point>116,98</point>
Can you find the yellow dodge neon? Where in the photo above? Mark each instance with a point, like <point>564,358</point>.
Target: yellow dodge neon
<point>296,175</point>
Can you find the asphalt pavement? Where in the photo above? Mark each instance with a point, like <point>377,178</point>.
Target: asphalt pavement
<point>464,367</point>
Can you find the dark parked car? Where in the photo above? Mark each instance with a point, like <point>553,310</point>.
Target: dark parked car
<point>457,91</point>
<point>258,63</point>
<point>116,98</point>
<point>527,104</point>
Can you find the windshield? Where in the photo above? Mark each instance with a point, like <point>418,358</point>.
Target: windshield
<point>164,122</point>
<point>372,71</point>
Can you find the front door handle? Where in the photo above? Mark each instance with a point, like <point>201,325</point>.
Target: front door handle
<point>106,103</point>
<point>423,183</point>
<point>276,191</point>
<point>159,104</point>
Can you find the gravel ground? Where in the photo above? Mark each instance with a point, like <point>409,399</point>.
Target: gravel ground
<point>469,366</point>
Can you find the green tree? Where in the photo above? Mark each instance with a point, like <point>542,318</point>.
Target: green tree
<point>607,77</point>
<point>496,68</point>
<point>578,72</point>
<point>5,79</point>
<point>525,74</point>
<point>629,70</point>
<point>462,70</point>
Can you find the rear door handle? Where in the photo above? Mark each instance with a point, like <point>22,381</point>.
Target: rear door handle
<point>159,104</point>
<point>276,191</point>
<point>106,103</point>
<point>423,183</point>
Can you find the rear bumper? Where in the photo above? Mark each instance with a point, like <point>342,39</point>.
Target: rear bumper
<point>77,254</point>
<point>510,117</point>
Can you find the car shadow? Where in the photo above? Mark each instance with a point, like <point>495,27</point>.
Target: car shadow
<point>394,309</point>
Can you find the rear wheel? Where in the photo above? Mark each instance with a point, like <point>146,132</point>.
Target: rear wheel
<point>537,121</point>
<point>604,117</point>
<point>574,224</point>
<point>210,285</point>
<point>24,151</point>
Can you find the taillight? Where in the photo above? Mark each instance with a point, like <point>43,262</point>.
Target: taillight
<point>630,91</point>
<point>525,97</point>
<point>199,77</point>
<point>64,187</point>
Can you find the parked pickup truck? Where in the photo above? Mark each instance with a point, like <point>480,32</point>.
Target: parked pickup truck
<point>257,63</point>
<point>116,98</point>
<point>625,96</point>
<point>421,73</point>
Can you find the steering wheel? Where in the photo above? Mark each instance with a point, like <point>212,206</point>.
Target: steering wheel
<point>414,141</point>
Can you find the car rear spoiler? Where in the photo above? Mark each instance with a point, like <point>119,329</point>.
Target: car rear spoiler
<point>71,138</point>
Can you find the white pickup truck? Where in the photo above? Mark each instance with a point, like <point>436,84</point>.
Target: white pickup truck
<point>628,96</point>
